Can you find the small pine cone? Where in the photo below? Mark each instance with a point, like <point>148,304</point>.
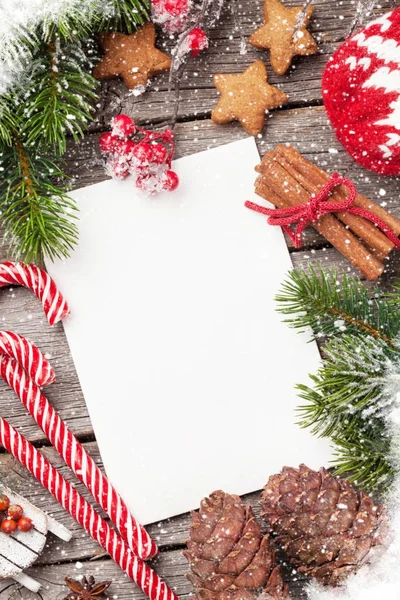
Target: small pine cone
<point>325,526</point>
<point>228,556</point>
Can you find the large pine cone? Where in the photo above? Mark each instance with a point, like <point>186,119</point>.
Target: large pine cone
<point>325,526</point>
<point>229,558</point>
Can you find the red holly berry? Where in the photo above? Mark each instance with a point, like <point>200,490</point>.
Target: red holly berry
<point>197,40</point>
<point>108,142</point>
<point>160,154</point>
<point>125,147</point>
<point>143,153</point>
<point>142,182</point>
<point>120,171</point>
<point>176,8</point>
<point>15,511</point>
<point>4,502</point>
<point>8,526</point>
<point>123,126</point>
<point>25,524</point>
<point>170,181</point>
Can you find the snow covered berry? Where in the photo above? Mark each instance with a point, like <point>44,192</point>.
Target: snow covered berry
<point>125,147</point>
<point>160,154</point>
<point>117,167</point>
<point>170,181</point>
<point>176,8</point>
<point>143,153</point>
<point>108,142</point>
<point>197,41</point>
<point>123,126</point>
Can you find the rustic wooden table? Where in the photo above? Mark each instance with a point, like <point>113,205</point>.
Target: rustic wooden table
<point>303,123</point>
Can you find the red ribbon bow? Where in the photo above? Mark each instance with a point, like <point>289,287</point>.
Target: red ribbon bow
<point>317,207</point>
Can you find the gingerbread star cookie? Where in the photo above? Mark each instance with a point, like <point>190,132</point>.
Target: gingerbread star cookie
<point>279,35</point>
<point>133,57</point>
<point>246,98</point>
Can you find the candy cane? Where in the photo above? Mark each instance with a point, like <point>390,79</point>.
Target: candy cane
<point>29,357</point>
<point>77,458</point>
<point>147,580</point>
<point>40,283</point>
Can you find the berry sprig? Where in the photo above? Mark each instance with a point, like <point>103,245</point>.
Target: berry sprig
<point>146,155</point>
<point>12,517</point>
<point>171,15</point>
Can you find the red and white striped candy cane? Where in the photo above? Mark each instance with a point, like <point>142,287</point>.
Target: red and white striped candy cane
<point>147,580</point>
<point>29,357</point>
<point>40,283</point>
<point>77,458</point>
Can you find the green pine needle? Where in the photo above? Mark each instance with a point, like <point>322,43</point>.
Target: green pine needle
<point>38,215</point>
<point>125,16</point>
<point>347,401</point>
<point>59,98</point>
<point>329,305</point>
<point>8,122</point>
<point>51,101</point>
<point>75,23</point>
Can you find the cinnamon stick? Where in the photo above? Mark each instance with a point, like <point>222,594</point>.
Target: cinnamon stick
<point>286,191</point>
<point>316,178</point>
<point>377,241</point>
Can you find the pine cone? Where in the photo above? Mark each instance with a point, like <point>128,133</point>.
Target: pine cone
<point>229,557</point>
<point>325,526</point>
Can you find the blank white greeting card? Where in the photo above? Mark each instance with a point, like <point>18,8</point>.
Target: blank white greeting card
<point>186,367</point>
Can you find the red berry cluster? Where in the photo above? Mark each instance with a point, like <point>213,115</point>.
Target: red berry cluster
<point>171,14</point>
<point>12,517</point>
<point>146,157</point>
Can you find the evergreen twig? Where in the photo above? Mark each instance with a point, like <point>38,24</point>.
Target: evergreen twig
<point>329,305</point>
<point>59,100</point>
<point>347,401</point>
<point>37,214</point>
<point>125,16</point>
<point>51,101</point>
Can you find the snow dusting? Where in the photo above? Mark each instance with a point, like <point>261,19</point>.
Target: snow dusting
<point>18,17</point>
<point>381,577</point>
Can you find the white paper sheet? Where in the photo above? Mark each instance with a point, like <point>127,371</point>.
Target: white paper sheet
<point>187,370</point>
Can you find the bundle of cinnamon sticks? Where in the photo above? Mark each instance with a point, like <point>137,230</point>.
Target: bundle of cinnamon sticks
<point>287,179</point>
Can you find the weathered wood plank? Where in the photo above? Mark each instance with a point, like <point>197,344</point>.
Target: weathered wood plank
<point>302,83</point>
<point>73,559</point>
<point>170,533</point>
<point>172,566</point>
<point>22,312</point>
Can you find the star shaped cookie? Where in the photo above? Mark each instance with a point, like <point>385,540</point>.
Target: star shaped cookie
<point>246,98</point>
<point>133,57</point>
<point>278,35</point>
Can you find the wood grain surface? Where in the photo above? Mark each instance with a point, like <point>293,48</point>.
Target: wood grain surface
<point>302,123</point>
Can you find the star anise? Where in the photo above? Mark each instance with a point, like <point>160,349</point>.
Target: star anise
<point>86,589</point>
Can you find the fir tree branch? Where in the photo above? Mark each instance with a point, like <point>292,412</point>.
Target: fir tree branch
<point>73,23</point>
<point>38,214</point>
<point>50,101</point>
<point>348,400</point>
<point>329,306</point>
<point>59,101</point>
<point>125,16</point>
